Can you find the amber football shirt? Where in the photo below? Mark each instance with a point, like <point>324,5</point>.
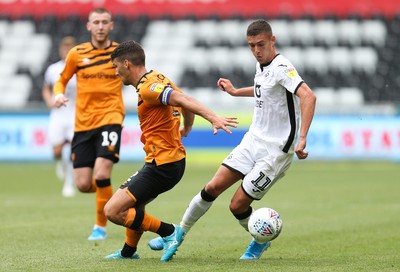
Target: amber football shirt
<point>99,98</point>
<point>159,122</point>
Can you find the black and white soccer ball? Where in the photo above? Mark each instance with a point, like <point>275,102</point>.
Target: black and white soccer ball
<point>265,224</point>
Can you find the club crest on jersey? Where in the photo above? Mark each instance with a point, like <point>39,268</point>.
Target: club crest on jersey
<point>291,72</point>
<point>156,87</point>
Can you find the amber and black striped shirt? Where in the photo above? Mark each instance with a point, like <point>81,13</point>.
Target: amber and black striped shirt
<point>99,99</point>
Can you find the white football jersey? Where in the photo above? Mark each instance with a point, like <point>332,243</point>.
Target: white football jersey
<point>277,110</point>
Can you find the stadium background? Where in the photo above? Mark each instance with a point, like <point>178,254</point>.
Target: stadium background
<point>348,52</point>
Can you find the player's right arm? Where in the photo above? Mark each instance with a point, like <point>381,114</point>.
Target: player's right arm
<point>227,86</point>
<point>65,76</point>
<point>189,103</point>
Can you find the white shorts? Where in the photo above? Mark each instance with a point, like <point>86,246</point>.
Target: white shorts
<point>61,126</point>
<point>262,163</point>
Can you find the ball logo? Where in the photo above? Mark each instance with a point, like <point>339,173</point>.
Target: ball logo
<point>263,228</point>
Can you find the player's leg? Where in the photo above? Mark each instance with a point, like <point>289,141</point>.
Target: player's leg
<point>256,184</point>
<point>241,209</point>
<point>68,132</point>
<point>199,205</point>
<point>121,203</point>
<point>60,166</point>
<point>56,139</point>
<point>124,208</point>
<point>83,158</point>
<point>101,185</point>
<point>69,184</point>
<point>233,168</point>
<point>107,145</point>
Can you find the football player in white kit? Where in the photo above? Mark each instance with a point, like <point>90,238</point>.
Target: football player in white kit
<point>61,123</point>
<point>266,151</point>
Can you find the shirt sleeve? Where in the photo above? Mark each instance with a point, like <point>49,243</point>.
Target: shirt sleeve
<point>157,93</point>
<point>288,77</point>
<point>67,73</point>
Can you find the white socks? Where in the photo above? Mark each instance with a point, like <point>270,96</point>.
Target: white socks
<point>196,209</point>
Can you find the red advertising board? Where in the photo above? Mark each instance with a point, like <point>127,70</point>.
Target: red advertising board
<point>200,8</point>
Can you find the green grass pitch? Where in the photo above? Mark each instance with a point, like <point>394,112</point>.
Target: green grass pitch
<point>337,216</point>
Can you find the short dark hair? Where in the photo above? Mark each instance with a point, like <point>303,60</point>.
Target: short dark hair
<point>259,27</point>
<point>130,50</point>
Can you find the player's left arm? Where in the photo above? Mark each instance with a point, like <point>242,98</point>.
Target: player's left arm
<point>188,103</point>
<point>307,108</point>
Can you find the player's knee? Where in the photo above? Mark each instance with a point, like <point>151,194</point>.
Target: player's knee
<point>211,191</point>
<point>84,187</point>
<point>108,211</point>
<point>237,208</point>
<point>111,213</point>
<point>241,214</point>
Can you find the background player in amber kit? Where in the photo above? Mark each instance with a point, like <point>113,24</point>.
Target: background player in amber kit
<point>160,105</point>
<point>99,113</point>
<point>61,122</point>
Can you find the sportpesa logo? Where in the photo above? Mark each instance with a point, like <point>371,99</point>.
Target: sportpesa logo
<point>100,75</point>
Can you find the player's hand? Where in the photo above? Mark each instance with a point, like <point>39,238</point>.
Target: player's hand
<point>60,100</point>
<point>226,86</point>
<point>223,123</point>
<point>299,150</point>
<point>184,131</point>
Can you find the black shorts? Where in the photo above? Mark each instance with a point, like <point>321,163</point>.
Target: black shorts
<point>152,180</point>
<point>101,142</point>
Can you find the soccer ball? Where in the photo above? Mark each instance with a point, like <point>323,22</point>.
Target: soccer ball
<point>265,224</point>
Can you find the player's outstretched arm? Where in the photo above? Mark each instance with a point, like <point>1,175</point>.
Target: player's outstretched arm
<point>189,103</point>
<point>227,86</point>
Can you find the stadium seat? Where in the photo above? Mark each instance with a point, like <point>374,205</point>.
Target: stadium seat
<point>15,92</point>
<point>197,60</point>
<point>373,32</point>
<point>7,69</point>
<point>325,33</point>
<point>365,59</point>
<point>339,59</point>
<point>35,56</point>
<point>351,98</point>
<point>295,55</point>
<point>233,32</point>
<point>22,28</point>
<point>282,32</point>
<point>349,32</point>
<point>4,29</point>
<point>206,31</point>
<point>302,32</point>
<point>315,60</point>
<point>326,99</point>
<point>242,59</point>
<point>220,58</point>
